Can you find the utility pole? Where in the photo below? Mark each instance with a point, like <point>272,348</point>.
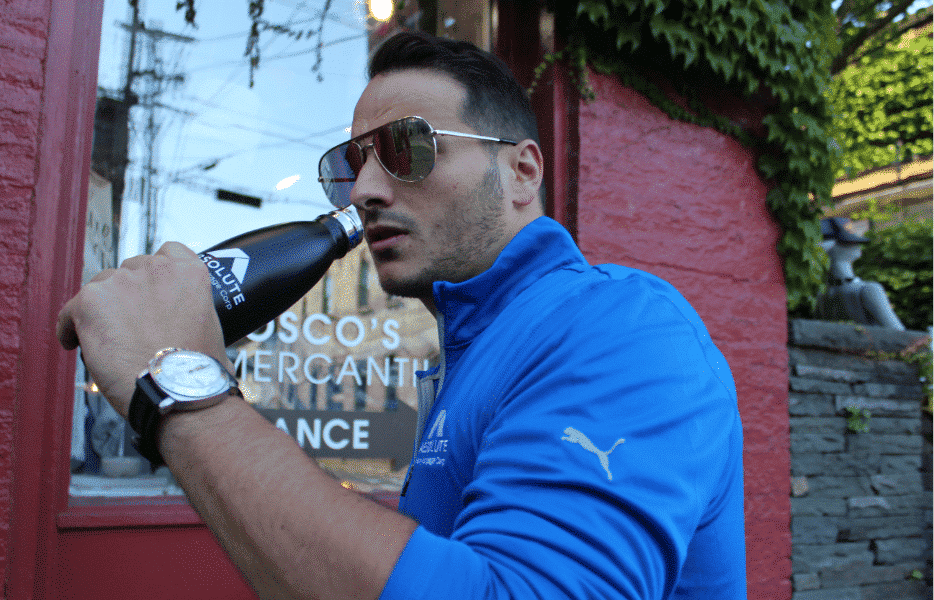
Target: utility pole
<point>154,82</point>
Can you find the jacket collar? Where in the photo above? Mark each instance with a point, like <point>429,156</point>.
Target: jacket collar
<point>465,309</point>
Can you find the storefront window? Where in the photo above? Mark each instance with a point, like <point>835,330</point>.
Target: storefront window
<point>204,131</point>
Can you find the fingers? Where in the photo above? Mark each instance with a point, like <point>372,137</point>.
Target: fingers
<point>65,329</point>
<point>170,250</point>
<point>106,273</point>
<point>123,316</point>
<point>177,251</point>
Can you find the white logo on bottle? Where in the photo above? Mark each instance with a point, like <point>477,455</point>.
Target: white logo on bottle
<point>240,261</point>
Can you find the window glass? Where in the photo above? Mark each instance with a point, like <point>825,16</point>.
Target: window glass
<point>203,132</point>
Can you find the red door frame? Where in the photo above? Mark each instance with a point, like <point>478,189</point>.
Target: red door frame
<point>46,373</point>
<point>56,548</point>
<point>144,548</point>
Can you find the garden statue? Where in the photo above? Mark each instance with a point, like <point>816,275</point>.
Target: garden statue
<point>848,297</point>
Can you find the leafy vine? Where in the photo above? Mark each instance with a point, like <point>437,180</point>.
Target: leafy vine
<point>771,49</point>
<point>920,353</point>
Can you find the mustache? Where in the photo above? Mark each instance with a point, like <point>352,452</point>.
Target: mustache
<point>374,217</point>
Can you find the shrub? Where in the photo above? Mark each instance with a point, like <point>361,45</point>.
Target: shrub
<point>899,257</point>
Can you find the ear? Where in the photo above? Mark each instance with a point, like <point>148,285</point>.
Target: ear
<point>527,169</point>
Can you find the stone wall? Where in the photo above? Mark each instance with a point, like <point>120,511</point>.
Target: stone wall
<point>861,484</point>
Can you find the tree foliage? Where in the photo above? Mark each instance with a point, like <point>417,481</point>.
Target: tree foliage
<point>882,105</point>
<point>259,25</point>
<point>899,257</point>
<point>865,26</point>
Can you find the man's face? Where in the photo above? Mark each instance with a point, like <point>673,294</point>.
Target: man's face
<point>450,225</point>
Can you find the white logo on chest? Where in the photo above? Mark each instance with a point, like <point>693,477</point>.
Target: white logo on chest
<point>437,429</point>
<point>576,437</point>
<point>433,449</point>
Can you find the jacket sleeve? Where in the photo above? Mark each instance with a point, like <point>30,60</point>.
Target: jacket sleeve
<point>617,439</point>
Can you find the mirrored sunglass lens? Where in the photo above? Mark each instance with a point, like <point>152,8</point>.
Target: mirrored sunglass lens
<point>354,158</point>
<point>422,149</point>
<point>338,175</point>
<point>391,145</point>
<point>405,149</point>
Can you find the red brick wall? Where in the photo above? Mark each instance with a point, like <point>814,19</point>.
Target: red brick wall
<point>685,203</point>
<point>23,36</point>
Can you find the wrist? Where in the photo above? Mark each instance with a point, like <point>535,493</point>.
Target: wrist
<point>176,381</point>
<point>180,430</point>
<point>230,432</point>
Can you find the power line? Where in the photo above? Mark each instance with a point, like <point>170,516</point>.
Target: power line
<point>313,48</point>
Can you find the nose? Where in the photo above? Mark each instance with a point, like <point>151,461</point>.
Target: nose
<point>373,187</point>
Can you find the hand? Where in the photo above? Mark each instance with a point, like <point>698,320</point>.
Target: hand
<point>122,317</point>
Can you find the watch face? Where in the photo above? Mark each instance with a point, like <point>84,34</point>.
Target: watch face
<point>184,374</point>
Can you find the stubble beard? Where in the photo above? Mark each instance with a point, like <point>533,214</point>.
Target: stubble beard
<point>472,233</point>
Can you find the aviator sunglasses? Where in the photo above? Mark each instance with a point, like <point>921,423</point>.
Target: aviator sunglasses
<point>405,148</point>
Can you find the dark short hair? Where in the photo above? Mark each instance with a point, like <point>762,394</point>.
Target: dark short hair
<point>495,105</point>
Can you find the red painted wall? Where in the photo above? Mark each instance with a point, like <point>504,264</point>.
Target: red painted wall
<point>685,203</point>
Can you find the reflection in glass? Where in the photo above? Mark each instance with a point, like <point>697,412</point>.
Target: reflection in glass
<point>193,143</point>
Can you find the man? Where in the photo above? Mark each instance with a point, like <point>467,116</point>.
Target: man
<point>579,439</point>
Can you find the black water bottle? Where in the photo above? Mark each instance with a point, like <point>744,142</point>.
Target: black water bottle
<point>257,276</point>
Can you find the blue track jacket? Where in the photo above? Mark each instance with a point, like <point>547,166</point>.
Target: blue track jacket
<point>579,439</point>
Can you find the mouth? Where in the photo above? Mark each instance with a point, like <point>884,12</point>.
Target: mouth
<point>384,237</point>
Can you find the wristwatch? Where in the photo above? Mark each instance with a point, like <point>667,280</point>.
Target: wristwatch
<point>176,380</point>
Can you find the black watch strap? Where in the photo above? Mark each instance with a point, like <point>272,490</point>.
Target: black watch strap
<point>144,418</point>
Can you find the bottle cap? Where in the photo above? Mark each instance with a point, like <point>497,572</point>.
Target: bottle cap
<point>350,221</point>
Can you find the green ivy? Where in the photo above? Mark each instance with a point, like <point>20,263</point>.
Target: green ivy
<point>763,48</point>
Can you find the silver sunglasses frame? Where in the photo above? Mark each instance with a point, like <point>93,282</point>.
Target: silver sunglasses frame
<point>432,132</point>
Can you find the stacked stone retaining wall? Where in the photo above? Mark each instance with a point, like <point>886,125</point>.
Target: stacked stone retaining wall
<point>860,465</point>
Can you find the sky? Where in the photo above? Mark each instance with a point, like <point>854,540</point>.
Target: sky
<point>255,137</point>
<point>918,5</point>
<point>251,138</point>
